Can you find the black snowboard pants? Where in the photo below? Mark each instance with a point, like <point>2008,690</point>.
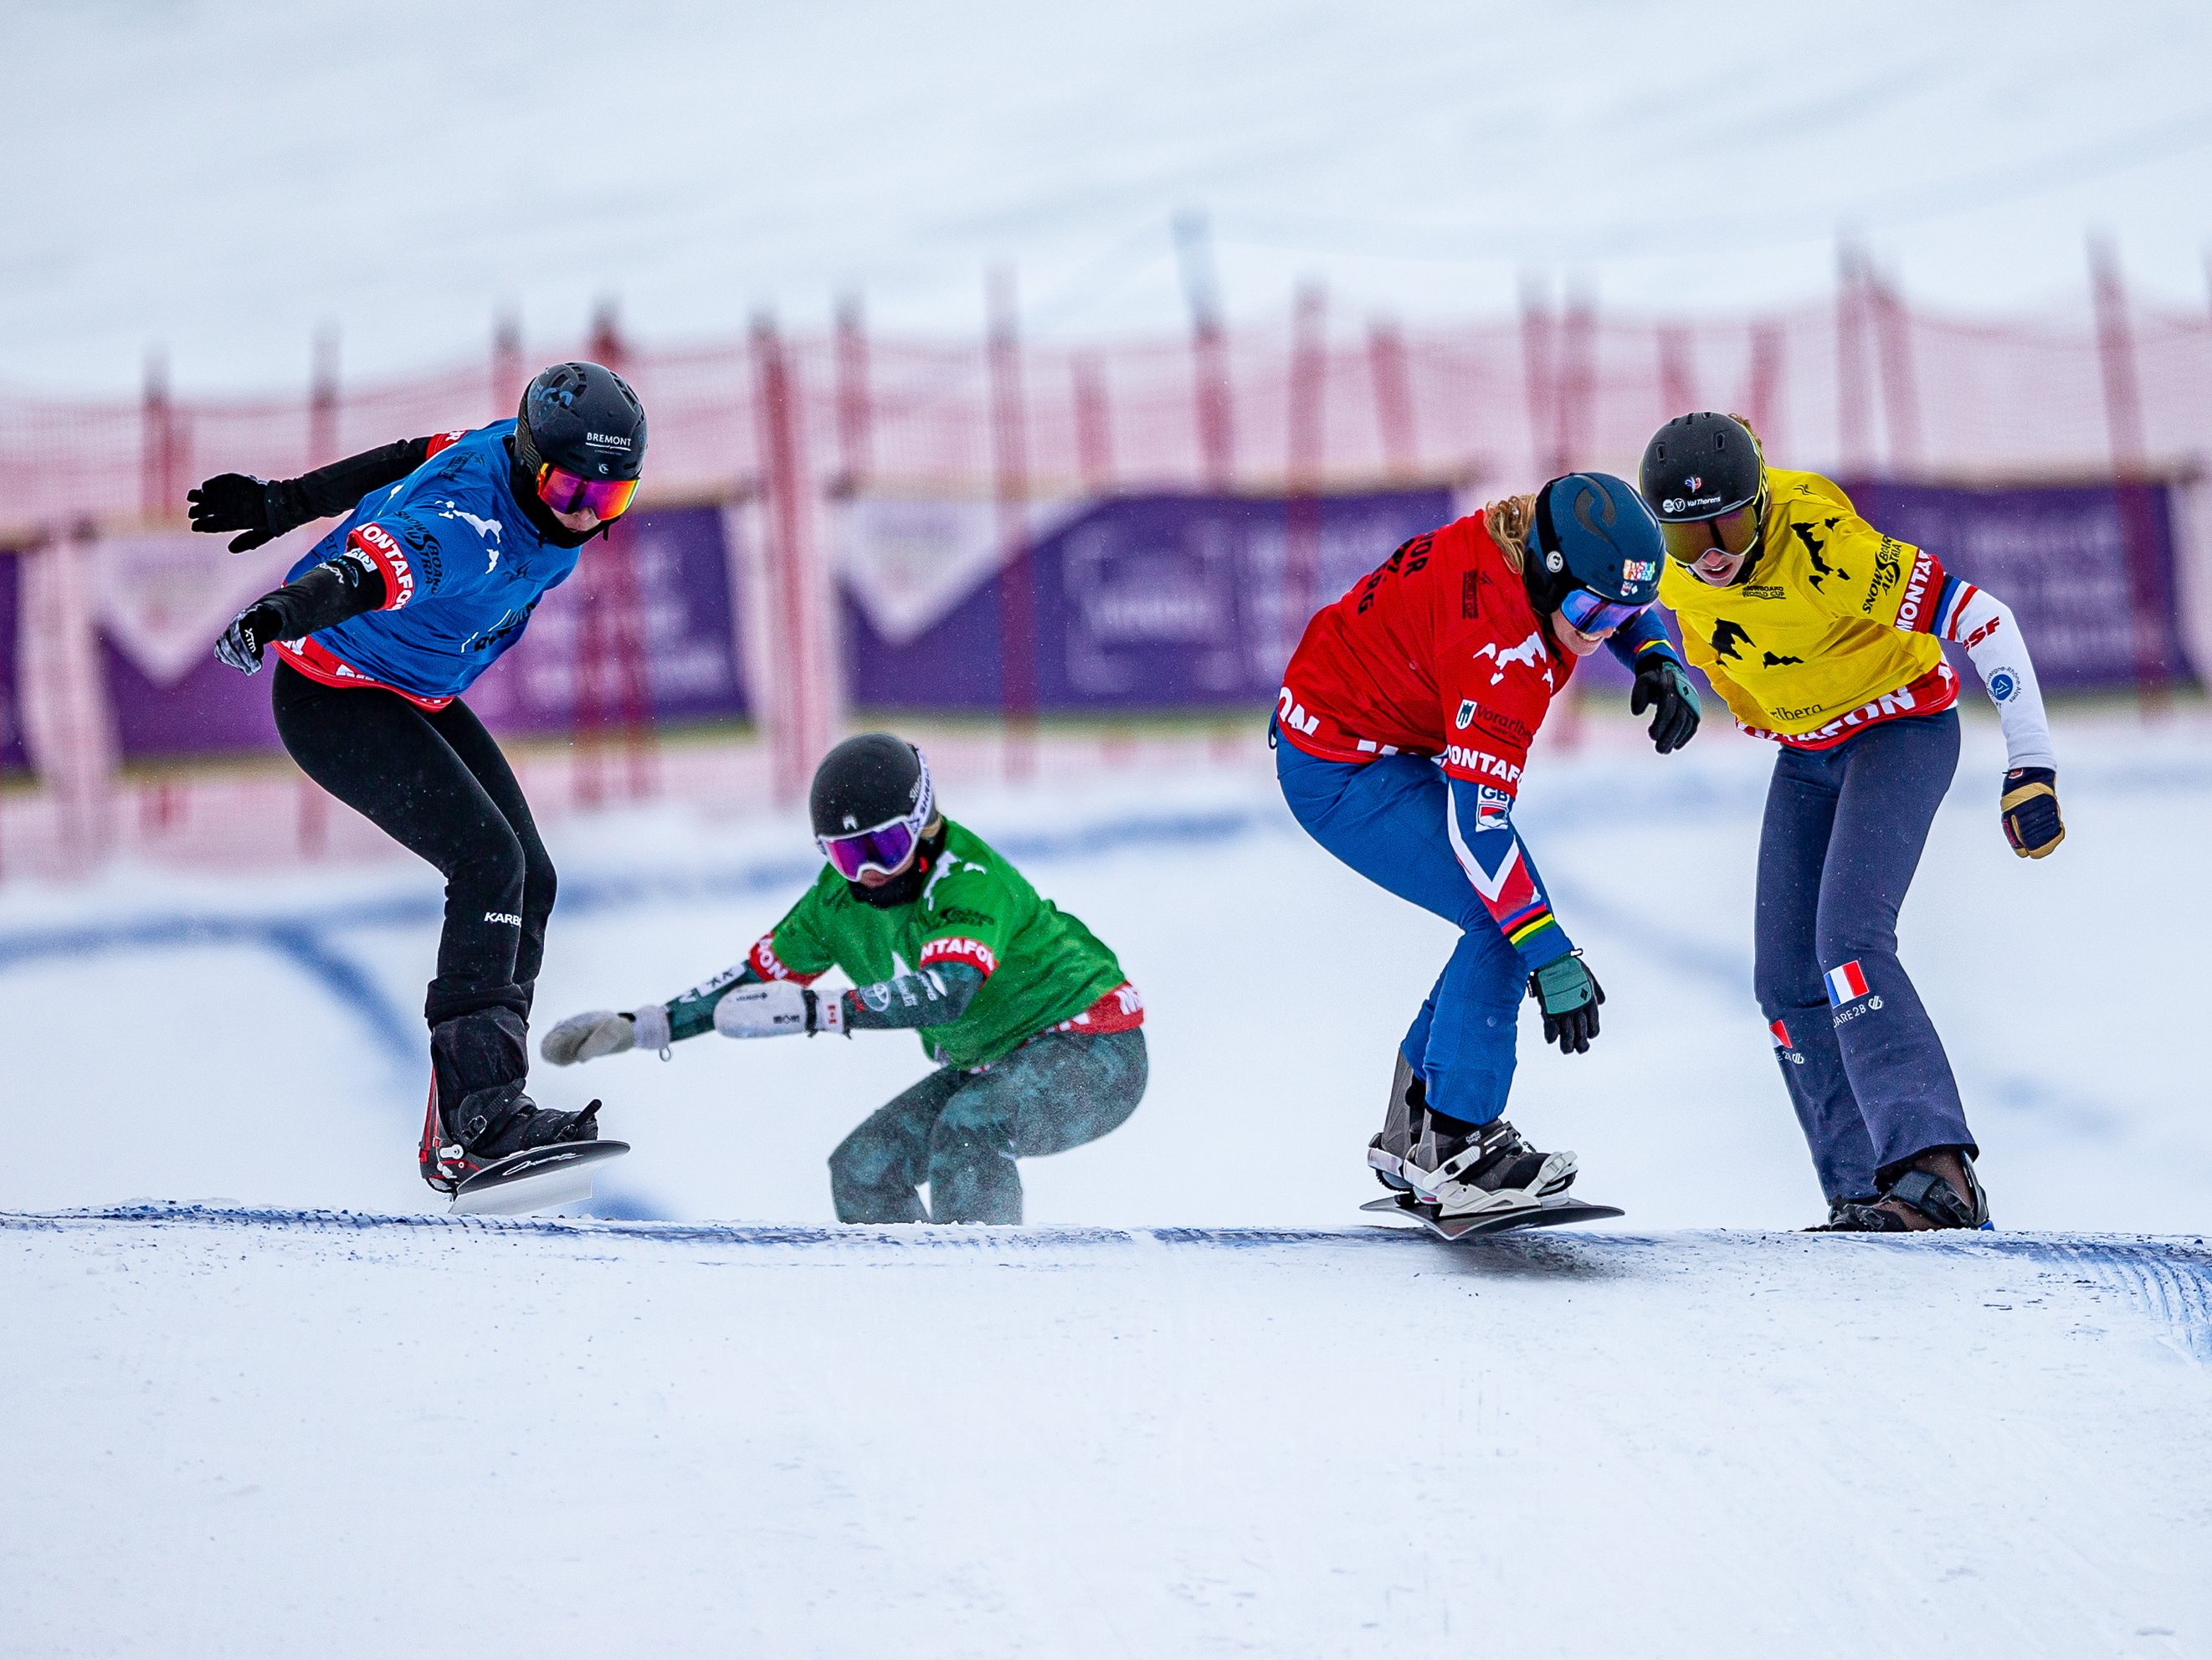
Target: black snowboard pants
<point>436,783</point>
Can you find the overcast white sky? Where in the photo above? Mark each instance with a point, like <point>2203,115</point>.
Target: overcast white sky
<point>221,179</point>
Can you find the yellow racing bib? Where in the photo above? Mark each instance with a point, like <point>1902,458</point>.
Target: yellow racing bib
<point>1825,630</point>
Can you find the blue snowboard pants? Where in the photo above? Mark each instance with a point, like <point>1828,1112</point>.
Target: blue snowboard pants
<point>1843,833</point>
<point>1386,820</point>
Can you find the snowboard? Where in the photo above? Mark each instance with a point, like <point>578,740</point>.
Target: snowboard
<point>537,1178</point>
<point>1551,1212</point>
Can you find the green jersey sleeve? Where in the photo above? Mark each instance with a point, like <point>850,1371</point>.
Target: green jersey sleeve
<point>800,948</point>
<point>794,949</point>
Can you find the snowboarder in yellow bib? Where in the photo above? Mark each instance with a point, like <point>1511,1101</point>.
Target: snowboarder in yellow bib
<point>1826,635</point>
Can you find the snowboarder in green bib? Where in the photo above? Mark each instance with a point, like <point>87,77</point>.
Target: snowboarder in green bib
<point>1036,1034</point>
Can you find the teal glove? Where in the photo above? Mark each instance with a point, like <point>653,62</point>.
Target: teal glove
<point>1569,994</point>
<point>1664,687</point>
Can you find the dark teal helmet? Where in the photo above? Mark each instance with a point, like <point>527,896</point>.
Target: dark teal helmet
<point>1592,530</point>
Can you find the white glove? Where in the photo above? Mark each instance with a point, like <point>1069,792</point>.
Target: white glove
<point>602,1031</point>
<point>778,1008</point>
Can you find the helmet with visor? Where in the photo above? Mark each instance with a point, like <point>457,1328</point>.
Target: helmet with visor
<point>1596,552</point>
<point>580,440</point>
<point>871,802</point>
<point>1705,479</point>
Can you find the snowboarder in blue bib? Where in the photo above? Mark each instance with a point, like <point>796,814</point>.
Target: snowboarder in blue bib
<point>447,545</point>
<point>1036,1033</point>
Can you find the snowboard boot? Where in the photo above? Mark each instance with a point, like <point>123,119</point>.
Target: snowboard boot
<point>1409,1106</point>
<point>478,1112</point>
<point>1480,1170</point>
<point>1938,1188</point>
<point>1461,1168</point>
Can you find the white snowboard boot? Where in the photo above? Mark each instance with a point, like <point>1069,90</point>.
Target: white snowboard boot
<point>1463,1170</point>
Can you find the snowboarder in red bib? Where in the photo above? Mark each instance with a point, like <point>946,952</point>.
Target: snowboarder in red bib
<point>1402,729</point>
<point>1036,1033</point>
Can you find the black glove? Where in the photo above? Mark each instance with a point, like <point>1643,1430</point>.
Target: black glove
<point>2029,802</point>
<point>242,642</point>
<point>1569,994</point>
<point>232,500</point>
<point>1661,685</point>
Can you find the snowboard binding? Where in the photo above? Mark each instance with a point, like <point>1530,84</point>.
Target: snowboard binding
<point>448,1161</point>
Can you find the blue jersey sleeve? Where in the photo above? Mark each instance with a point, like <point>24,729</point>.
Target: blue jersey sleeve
<point>1479,821</point>
<point>1640,634</point>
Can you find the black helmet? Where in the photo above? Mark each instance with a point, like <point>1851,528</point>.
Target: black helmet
<point>869,781</point>
<point>583,419</point>
<point>1592,531</point>
<point>1699,466</point>
<point>872,803</point>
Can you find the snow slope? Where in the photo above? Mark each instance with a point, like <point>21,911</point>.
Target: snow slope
<point>1201,1411</point>
<point>257,1040</point>
<point>248,1434</point>
<point>228,176</point>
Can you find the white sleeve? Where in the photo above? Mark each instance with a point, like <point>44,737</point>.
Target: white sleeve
<point>1984,624</point>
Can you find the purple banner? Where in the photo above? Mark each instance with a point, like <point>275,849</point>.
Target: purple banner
<point>646,625</point>
<point>2070,561</point>
<point>14,756</point>
<point>207,710</point>
<point>1147,602</point>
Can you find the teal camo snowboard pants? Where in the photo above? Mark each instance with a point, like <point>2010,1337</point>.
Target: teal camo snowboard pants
<point>961,1132</point>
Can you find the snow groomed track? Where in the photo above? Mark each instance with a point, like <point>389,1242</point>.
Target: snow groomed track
<point>485,1436</point>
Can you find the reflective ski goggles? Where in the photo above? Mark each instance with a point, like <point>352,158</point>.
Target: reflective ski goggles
<point>1593,613</point>
<point>571,492</point>
<point>1736,531</point>
<point>884,850</point>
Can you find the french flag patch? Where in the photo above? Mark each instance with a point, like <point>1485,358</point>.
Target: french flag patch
<point>1781,1034</point>
<point>1845,984</point>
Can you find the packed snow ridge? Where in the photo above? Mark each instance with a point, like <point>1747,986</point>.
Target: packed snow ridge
<point>472,1436</point>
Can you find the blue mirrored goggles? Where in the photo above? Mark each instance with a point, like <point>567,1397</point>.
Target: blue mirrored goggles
<point>1593,613</point>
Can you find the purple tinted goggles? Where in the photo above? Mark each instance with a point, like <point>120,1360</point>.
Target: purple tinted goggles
<point>1593,613</point>
<point>886,848</point>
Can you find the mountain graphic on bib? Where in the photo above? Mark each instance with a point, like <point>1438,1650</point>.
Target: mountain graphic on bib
<point>1529,652</point>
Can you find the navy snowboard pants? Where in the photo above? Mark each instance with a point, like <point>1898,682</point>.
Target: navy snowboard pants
<point>961,1132</point>
<point>1386,819</point>
<point>1843,833</point>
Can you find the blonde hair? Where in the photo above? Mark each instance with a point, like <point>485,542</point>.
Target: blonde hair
<point>1509,520</point>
